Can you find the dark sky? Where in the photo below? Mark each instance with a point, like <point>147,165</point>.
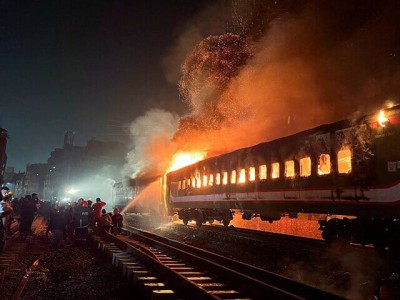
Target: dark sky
<point>84,66</point>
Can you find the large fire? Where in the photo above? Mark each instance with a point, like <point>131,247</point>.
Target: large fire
<point>382,120</point>
<point>183,159</point>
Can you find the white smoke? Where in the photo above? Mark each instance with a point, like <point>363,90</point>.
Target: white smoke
<point>151,143</point>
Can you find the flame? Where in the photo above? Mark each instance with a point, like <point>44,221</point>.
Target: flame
<point>382,120</point>
<point>183,159</point>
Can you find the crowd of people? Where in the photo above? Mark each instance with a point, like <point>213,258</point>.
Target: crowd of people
<point>74,221</point>
<point>64,222</point>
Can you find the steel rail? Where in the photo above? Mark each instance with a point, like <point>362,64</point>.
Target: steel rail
<point>263,282</point>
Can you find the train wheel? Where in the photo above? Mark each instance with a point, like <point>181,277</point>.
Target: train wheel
<point>199,219</point>
<point>199,222</point>
<point>226,220</point>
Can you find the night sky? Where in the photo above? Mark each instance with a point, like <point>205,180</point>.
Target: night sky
<point>86,66</point>
<point>112,69</point>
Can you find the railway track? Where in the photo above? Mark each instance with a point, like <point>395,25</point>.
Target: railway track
<point>186,272</point>
<point>11,259</point>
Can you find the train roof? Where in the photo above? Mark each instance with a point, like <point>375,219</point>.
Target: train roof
<point>320,129</point>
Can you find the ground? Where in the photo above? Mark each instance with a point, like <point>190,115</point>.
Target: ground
<point>75,271</point>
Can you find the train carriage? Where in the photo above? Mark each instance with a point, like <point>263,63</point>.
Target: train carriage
<point>350,167</point>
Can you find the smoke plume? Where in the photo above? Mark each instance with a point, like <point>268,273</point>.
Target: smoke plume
<point>283,67</point>
<point>151,137</point>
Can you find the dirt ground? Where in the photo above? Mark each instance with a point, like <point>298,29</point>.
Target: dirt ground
<point>75,271</point>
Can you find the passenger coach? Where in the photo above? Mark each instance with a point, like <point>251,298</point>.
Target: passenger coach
<point>349,168</point>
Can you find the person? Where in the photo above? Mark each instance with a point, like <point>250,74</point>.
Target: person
<point>82,217</point>
<point>97,207</point>
<point>5,210</point>
<point>5,197</point>
<point>117,220</point>
<point>105,221</point>
<point>89,203</point>
<point>37,202</point>
<point>28,210</point>
<point>57,226</point>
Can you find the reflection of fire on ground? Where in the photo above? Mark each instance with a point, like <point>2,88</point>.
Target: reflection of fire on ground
<point>303,227</point>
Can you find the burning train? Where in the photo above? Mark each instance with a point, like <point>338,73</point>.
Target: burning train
<point>348,170</point>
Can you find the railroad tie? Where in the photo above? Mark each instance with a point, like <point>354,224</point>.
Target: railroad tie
<point>190,273</point>
<point>118,255</point>
<point>140,273</point>
<point>199,279</point>
<point>174,264</point>
<point>181,269</point>
<point>131,270</point>
<point>110,250</point>
<point>122,260</point>
<point>147,288</point>
<point>162,295</point>
<point>8,258</point>
<point>7,262</point>
<point>126,265</point>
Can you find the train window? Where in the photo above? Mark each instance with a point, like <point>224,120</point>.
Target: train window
<point>324,166</point>
<point>242,176</point>
<point>198,181</point>
<point>233,177</point>
<point>183,184</point>
<point>289,168</point>
<point>263,172</point>
<point>344,161</point>
<point>205,180</point>
<point>252,174</point>
<point>188,183</point>
<point>218,178</point>
<point>275,170</point>
<point>225,178</point>
<point>305,167</point>
<point>179,185</point>
<point>211,180</point>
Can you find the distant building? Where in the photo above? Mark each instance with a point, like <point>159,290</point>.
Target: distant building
<point>34,178</point>
<point>3,155</point>
<point>64,165</point>
<point>87,172</point>
<point>18,182</point>
<point>15,182</point>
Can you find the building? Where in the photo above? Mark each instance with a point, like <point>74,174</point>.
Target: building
<point>3,155</point>
<point>63,167</point>
<point>88,172</point>
<point>35,178</point>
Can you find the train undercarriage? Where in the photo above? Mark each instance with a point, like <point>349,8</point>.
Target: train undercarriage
<point>382,233</point>
<point>201,216</point>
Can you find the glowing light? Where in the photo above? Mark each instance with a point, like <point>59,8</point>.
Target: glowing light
<point>183,159</point>
<point>382,120</point>
<point>242,176</point>
<point>71,191</point>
